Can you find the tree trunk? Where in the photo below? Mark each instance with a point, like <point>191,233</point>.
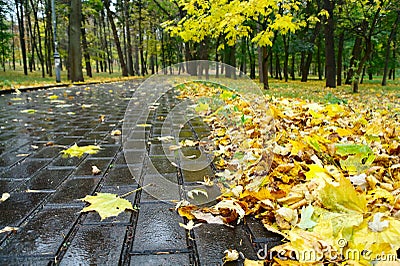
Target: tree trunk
<point>340,59</point>
<point>38,44</point>
<point>252,59</point>
<point>20,16</point>
<point>355,56</point>
<point>330,46</point>
<point>387,52</point>
<point>129,58</point>
<point>48,40</point>
<point>286,59</point>
<point>116,39</point>
<point>292,71</point>
<point>74,47</point>
<point>319,65</point>
<point>142,61</point>
<point>86,54</point>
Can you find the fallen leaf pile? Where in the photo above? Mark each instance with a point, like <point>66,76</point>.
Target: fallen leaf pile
<point>325,176</point>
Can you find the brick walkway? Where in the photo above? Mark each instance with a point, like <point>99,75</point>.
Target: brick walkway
<point>45,187</point>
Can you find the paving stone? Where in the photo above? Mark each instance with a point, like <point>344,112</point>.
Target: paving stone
<point>160,165</point>
<point>158,229</point>
<point>213,239</point>
<point>48,179</point>
<point>8,185</point>
<point>29,260</point>
<point>66,161</point>
<point>134,156</point>
<point>42,235</point>
<point>48,152</point>
<point>26,169</point>
<point>67,140</point>
<point>181,259</point>
<point>18,206</point>
<point>159,150</point>
<point>74,189</point>
<point>121,175</point>
<point>95,245</point>
<point>96,135</point>
<point>135,145</point>
<point>160,187</point>
<point>106,151</point>
<point>85,168</point>
<point>193,176</point>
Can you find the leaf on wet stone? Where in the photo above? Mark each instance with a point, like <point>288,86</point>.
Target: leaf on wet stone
<point>116,132</point>
<point>8,229</point>
<point>95,170</point>
<point>231,255</point>
<point>197,191</point>
<point>208,217</point>
<point>76,151</point>
<point>5,196</point>
<point>53,97</point>
<point>28,111</point>
<point>106,204</point>
<point>190,225</point>
<point>166,138</point>
<point>188,143</point>
<point>144,125</point>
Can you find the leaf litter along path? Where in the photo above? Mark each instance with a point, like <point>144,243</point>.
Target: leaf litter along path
<point>334,185</point>
<point>43,209</point>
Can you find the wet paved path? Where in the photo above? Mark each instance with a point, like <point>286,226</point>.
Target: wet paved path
<point>45,187</point>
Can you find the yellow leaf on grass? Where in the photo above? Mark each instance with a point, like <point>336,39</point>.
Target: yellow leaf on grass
<point>106,204</point>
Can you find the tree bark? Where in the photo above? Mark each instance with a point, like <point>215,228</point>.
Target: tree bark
<point>38,43</point>
<point>340,59</point>
<point>330,46</point>
<point>116,38</point>
<point>129,58</point>
<point>20,16</point>
<point>355,56</point>
<point>86,53</point>
<point>387,52</point>
<point>286,59</point>
<point>74,47</point>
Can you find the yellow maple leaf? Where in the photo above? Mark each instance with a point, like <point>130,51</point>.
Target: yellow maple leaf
<point>343,197</point>
<point>106,204</point>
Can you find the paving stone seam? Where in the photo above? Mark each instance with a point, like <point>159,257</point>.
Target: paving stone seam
<point>160,251</point>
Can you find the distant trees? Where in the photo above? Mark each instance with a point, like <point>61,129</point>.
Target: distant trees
<point>339,41</point>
